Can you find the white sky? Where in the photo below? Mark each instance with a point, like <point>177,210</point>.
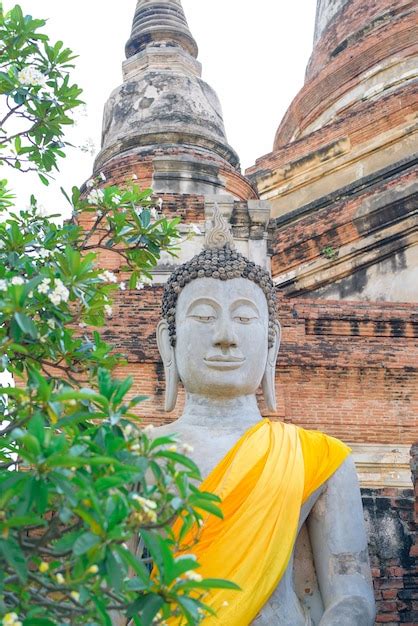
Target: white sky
<point>253,54</point>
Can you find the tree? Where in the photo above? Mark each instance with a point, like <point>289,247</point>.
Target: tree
<point>79,479</point>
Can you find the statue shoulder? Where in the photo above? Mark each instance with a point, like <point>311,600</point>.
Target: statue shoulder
<point>323,455</point>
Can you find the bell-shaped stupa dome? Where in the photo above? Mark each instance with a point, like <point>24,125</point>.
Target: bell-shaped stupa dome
<point>163,103</point>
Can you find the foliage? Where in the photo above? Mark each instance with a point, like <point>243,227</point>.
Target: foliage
<point>330,253</point>
<point>37,97</point>
<point>87,498</point>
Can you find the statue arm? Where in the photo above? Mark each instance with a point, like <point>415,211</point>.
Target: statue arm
<point>339,543</point>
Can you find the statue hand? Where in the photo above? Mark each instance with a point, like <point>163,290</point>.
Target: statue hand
<point>349,611</point>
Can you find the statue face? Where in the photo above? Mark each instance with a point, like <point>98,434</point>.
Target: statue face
<point>222,337</point>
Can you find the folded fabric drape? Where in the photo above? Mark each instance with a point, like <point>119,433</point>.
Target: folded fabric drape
<point>263,482</point>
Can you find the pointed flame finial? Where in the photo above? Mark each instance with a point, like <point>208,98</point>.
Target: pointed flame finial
<point>218,232</point>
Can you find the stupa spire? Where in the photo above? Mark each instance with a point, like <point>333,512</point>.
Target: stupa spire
<point>160,23</point>
<point>164,109</point>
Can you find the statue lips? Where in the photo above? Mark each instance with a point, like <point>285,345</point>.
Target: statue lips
<point>224,361</point>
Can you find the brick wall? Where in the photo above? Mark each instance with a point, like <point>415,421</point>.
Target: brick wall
<point>355,22</point>
<point>366,121</point>
<point>396,37</point>
<point>343,220</point>
<point>142,165</point>
<point>389,515</point>
<point>348,368</point>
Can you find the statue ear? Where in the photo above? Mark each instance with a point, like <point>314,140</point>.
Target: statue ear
<point>269,378</point>
<point>170,367</point>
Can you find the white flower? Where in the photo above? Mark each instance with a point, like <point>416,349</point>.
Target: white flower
<point>2,245</point>
<point>102,177</point>
<point>51,323</point>
<point>108,310</point>
<point>128,430</point>
<point>134,177</point>
<point>18,280</point>
<point>138,210</point>
<point>154,214</point>
<point>59,294</point>
<point>122,286</point>
<point>82,325</point>
<point>90,184</point>
<point>195,229</point>
<point>43,253</point>
<point>95,196</point>
<point>145,503</point>
<point>60,579</point>
<point>3,285</point>
<point>30,294</point>
<point>41,210</point>
<point>31,77</point>
<point>108,277</point>
<point>148,430</point>
<point>140,285</point>
<point>160,203</point>
<point>116,199</point>
<point>186,448</point>
<point>194,576</point>
<point>11,619</point>
<point>44,286</point>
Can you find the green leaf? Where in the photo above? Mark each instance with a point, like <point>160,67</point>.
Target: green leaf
<point>181,459</point>
<point>13,555</point>
<point>147,607</point>
<point>115,571</point>
<point>44,180</point>
<point>26,324</point>
<point>18,522</point>
<point>137,584</point>
<point>84,543</point>
<point>206,505</point>
<point>101,607</point>
<point>133,562</point>
<point>212,583</point>
<point>31,444</point>
<point>190,608</point>
<point>36,428</point>
<point>66,542</point>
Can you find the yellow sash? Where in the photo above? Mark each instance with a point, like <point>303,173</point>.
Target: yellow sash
<point>263,482</point>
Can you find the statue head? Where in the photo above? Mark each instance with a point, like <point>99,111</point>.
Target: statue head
<point>219,334</point>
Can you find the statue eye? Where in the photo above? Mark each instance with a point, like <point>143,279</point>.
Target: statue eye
<point>242,319</point>
<point>205,319</point>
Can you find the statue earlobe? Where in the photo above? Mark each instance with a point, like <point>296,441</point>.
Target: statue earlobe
<point>170,367</point>
<point>269,378</point>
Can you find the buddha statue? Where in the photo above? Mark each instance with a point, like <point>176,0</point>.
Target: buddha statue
<point>220,337</point>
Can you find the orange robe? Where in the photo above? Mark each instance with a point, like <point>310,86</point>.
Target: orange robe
<point>263,482</point>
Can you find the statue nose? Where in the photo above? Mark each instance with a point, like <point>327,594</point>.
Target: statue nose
<point>224,336</point>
